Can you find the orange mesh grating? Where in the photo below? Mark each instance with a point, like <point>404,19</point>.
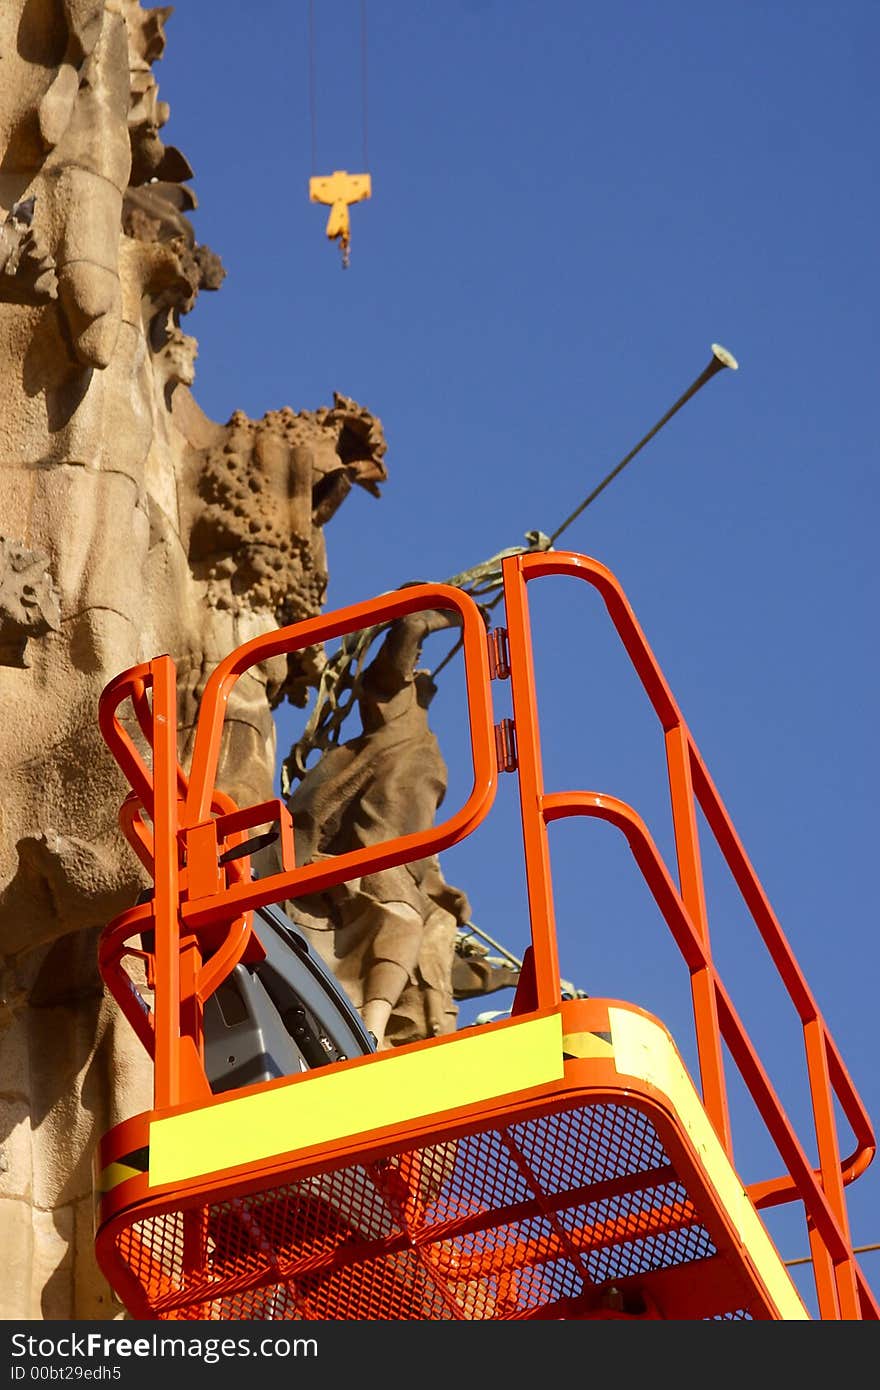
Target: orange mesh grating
<point>527,1221</point>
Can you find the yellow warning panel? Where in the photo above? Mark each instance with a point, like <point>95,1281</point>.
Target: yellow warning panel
<point>390,1089</point>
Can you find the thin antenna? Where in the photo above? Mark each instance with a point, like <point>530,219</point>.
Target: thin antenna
<point>720,358</point>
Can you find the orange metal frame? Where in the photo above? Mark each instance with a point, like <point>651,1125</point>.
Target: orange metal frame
<point>199,911</point>
<point>199,914</point>
<point>840,1283</point>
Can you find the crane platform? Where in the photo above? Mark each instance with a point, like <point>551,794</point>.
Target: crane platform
<point>560,1167</point>
<point>559,1163</point>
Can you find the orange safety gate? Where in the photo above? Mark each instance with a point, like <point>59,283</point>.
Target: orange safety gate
<point>556,1164</point>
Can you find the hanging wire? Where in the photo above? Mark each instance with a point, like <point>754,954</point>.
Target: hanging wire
<point>313,88</point>
<point>366,163</point>
<point>808,1259</point>
<point>313,100</point>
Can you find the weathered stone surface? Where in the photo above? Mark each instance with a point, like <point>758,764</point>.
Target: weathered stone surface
<point>19,1235</point>
<point>28,601</point>
<point>132,525</point>
<point>27,271</point>
<point>15,1151</point>
<point>52,1291</point>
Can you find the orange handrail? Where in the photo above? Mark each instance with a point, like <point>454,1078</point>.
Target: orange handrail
<point>200,913</point>
<point>194,897</point>
<point>839,1281</point>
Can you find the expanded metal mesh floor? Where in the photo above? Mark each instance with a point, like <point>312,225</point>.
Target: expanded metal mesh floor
<point>513,1223</point>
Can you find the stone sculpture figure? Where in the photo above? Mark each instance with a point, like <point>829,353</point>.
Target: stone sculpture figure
<point>390,935</point>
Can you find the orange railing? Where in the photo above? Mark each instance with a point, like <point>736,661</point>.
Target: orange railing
<point>199,911</point>
<point>199,915</point>
<point>838,1279</point>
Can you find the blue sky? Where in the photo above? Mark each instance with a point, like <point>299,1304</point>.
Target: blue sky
<point>571,202</point>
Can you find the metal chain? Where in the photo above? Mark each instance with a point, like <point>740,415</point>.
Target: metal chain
<point>340,683</point>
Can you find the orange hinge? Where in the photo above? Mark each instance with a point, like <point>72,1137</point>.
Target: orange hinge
<point>203,872</point>
<point>499,654</point>
<point>505,746</point>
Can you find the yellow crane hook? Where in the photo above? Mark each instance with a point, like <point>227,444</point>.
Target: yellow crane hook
<point>340,189</point>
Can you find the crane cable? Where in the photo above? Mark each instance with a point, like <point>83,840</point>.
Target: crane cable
<point>366,163</point>
<point>313,112</point>
<point>808,1259</point>
<point>313,87</point>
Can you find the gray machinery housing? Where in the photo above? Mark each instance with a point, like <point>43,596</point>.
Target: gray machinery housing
<point>282,1015</point>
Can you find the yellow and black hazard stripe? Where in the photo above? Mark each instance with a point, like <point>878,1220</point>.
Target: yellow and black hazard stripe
<point>130,1165</point>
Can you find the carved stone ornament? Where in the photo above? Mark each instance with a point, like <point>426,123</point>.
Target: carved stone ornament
<point>28,600</point>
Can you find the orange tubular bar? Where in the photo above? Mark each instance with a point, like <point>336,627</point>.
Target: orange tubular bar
<point>194,898</point>
<point>840,1284</point>
<point>130,685</point>
<point>311,878</point>
<point>520,1169</point>
<point>417,598</point>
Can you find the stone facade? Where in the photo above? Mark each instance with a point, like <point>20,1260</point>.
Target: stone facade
<point>130,524</point>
